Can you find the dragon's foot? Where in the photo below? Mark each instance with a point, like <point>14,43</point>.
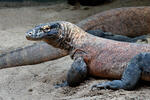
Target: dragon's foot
<point>64,84</point>
<point>116,84</point>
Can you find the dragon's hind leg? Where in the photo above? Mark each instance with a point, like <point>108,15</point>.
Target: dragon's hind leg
<point>138,65</point>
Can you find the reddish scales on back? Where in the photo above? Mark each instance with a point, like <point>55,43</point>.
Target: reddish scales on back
<point>108,58</point>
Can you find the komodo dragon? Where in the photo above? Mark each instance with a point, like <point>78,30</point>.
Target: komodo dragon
<point>96,56</point>
<point>129,21</point>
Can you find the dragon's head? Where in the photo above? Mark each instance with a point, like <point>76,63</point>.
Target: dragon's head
<point>54,33</point>
<point>43,31</point>
<point>59,34</point>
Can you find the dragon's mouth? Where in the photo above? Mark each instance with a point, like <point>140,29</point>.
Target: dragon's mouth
<point>33,39</point>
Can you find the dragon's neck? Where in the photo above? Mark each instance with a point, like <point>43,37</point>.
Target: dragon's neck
<point>71,36</point>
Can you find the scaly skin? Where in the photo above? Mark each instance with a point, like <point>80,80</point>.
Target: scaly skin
<point>96,56</point>
<point>28,55</point>
<point>130,21</point>
<point>109,35</point>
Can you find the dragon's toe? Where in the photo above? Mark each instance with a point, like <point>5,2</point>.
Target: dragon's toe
<point>114,85</point>
<point>64,84</point>
<point>100,86</point>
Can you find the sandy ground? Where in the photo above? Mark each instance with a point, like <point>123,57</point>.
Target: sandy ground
<point>36,82</point>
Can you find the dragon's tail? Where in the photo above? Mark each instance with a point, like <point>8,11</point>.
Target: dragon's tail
<point>33,54</point>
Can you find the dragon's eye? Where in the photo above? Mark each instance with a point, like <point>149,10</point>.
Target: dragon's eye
<point>46,28</point>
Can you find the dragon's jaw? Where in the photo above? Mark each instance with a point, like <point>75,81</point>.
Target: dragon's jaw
<point>33,39</point>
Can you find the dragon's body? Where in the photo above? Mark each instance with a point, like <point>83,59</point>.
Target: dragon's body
<point>96,56</point>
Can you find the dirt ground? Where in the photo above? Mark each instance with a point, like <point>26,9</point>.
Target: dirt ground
<point>36,82</point>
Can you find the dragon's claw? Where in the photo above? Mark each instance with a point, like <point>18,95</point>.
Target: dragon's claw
<point>105,85</point>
